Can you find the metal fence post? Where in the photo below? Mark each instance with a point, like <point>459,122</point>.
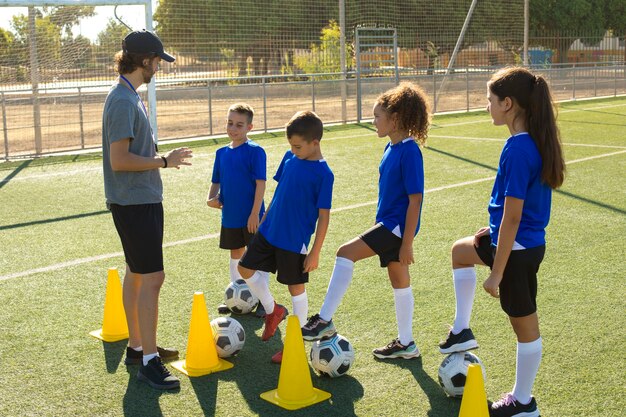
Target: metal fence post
<point>80,118</point>
<point>467,87</point>
<point>4,128</point>
<point>208,84</point>
<point>615,81</point>
<point>264,106</point>
<point>434,92</point>
<point>313,91</point>
<point>595,80</point>
<point>574,81</point>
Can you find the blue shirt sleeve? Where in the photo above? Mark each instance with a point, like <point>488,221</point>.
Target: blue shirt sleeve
<point>259,164</point>
<point>413,172</point>
<point>516,174</point>
<point>279,171</point>
<point>215,178</point>
<point>324,199</point>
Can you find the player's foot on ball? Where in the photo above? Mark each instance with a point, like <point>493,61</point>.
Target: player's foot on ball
<point>395,349</point>
<point>316,329</point>
<point>134,357</point>
<point>260,310</point>
<point>157,375</point>
<point>509,406</point>
<point>223,309</point>
<point>461,342</point>
<point>277,357</point>
<point>272,320</point>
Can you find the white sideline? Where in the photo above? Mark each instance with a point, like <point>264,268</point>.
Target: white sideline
<point>590,145</point>
<point>214,235</point>
<point>202,155</point>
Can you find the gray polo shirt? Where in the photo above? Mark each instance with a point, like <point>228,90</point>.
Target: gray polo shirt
<point>124,117</point>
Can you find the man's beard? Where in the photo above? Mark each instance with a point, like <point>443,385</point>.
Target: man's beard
<point>147,75</point>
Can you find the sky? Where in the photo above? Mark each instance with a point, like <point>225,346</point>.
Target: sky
<point>90,27</point>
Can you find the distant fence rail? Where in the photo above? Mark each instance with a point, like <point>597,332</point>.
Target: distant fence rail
<point>71,116</point>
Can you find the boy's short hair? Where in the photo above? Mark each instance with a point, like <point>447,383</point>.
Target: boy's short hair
<point>306,124</point>
<point>243,108</point>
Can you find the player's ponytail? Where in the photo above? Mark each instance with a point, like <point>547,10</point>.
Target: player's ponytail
<point>541,122</point>
<point>532,95</point>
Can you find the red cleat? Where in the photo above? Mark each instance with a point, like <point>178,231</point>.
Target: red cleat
<point>277,357</point>
<point>272,321</point>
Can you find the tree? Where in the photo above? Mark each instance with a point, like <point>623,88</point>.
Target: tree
<point>615,12</point>
<point>555,20</point>
<point>325,58</point>
<point>256,30</point>
<point>110,39</point>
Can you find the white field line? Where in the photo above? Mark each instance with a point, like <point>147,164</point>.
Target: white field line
<point>609,106</point>
<point>74,262</point>
<point>196,156</point>
<point>202,155</point>
<point>590,145</point>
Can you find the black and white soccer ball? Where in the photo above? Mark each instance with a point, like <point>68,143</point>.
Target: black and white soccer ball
<point>238,297</point>
<point>453,372</point>
<point>229,336</point>
<point>332,357</point>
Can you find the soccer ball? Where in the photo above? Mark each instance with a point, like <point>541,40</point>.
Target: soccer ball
<point>453,372</point>
<point>332,357</point>
<point>229,336</point>
<point>238,297</point>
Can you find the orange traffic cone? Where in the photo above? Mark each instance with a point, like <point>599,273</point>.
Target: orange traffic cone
<point>114,326</point>
<point>474,402</point>
<point>202,356</point>
<point>295,389</point>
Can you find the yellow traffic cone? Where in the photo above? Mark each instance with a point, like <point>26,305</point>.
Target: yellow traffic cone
<point>474,402</point>
<point>295,389</point>
<point>202,356</point>
<point>114,326</point>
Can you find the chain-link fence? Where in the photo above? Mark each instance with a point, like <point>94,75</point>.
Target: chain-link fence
<point>279,56</point>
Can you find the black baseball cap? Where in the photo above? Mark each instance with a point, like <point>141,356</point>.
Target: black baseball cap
<point>145,42</point>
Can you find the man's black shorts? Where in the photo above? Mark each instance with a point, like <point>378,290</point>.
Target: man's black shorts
<point>261,255</point>
<point>234,238</point>
<point>518,288</point>
<point>140,228</point>
<point>382,241</point>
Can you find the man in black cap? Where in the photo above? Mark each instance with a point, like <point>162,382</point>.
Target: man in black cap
<point>134,195</point>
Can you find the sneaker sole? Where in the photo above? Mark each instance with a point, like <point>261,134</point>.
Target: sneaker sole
<point>324,335</point>
<point>139,361</point>
<point>397,356</point>
<point>461,347</point>
<point>143,378</point>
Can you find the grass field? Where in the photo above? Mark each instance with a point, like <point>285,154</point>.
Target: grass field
<point>57,241</point>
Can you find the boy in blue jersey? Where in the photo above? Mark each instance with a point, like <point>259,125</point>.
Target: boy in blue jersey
<point>237,188</point>
<point>302,199</point>
<point>401,114</point>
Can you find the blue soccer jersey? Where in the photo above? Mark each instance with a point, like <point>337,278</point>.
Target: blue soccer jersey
<point>401,174</point>
<point>236,171</point>
<point>303,188</point>
<point>519,176</point>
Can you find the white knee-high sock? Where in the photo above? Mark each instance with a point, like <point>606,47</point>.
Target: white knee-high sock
<point>464,289</point>
<point>234,273</point>
<point>337,287</point>
<point>404,313</point>
<point>258,285</point>
<point>528,360</point>
<point>300,305</point>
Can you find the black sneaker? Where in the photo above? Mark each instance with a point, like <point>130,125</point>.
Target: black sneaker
<point>134,357</point>
<point>317,329</point>
<point>223,309</point>
<point>395,349</point>
<point>157,376</point>
<point>508,406</point>
<point>260,310</point>
<point>461,342</point>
